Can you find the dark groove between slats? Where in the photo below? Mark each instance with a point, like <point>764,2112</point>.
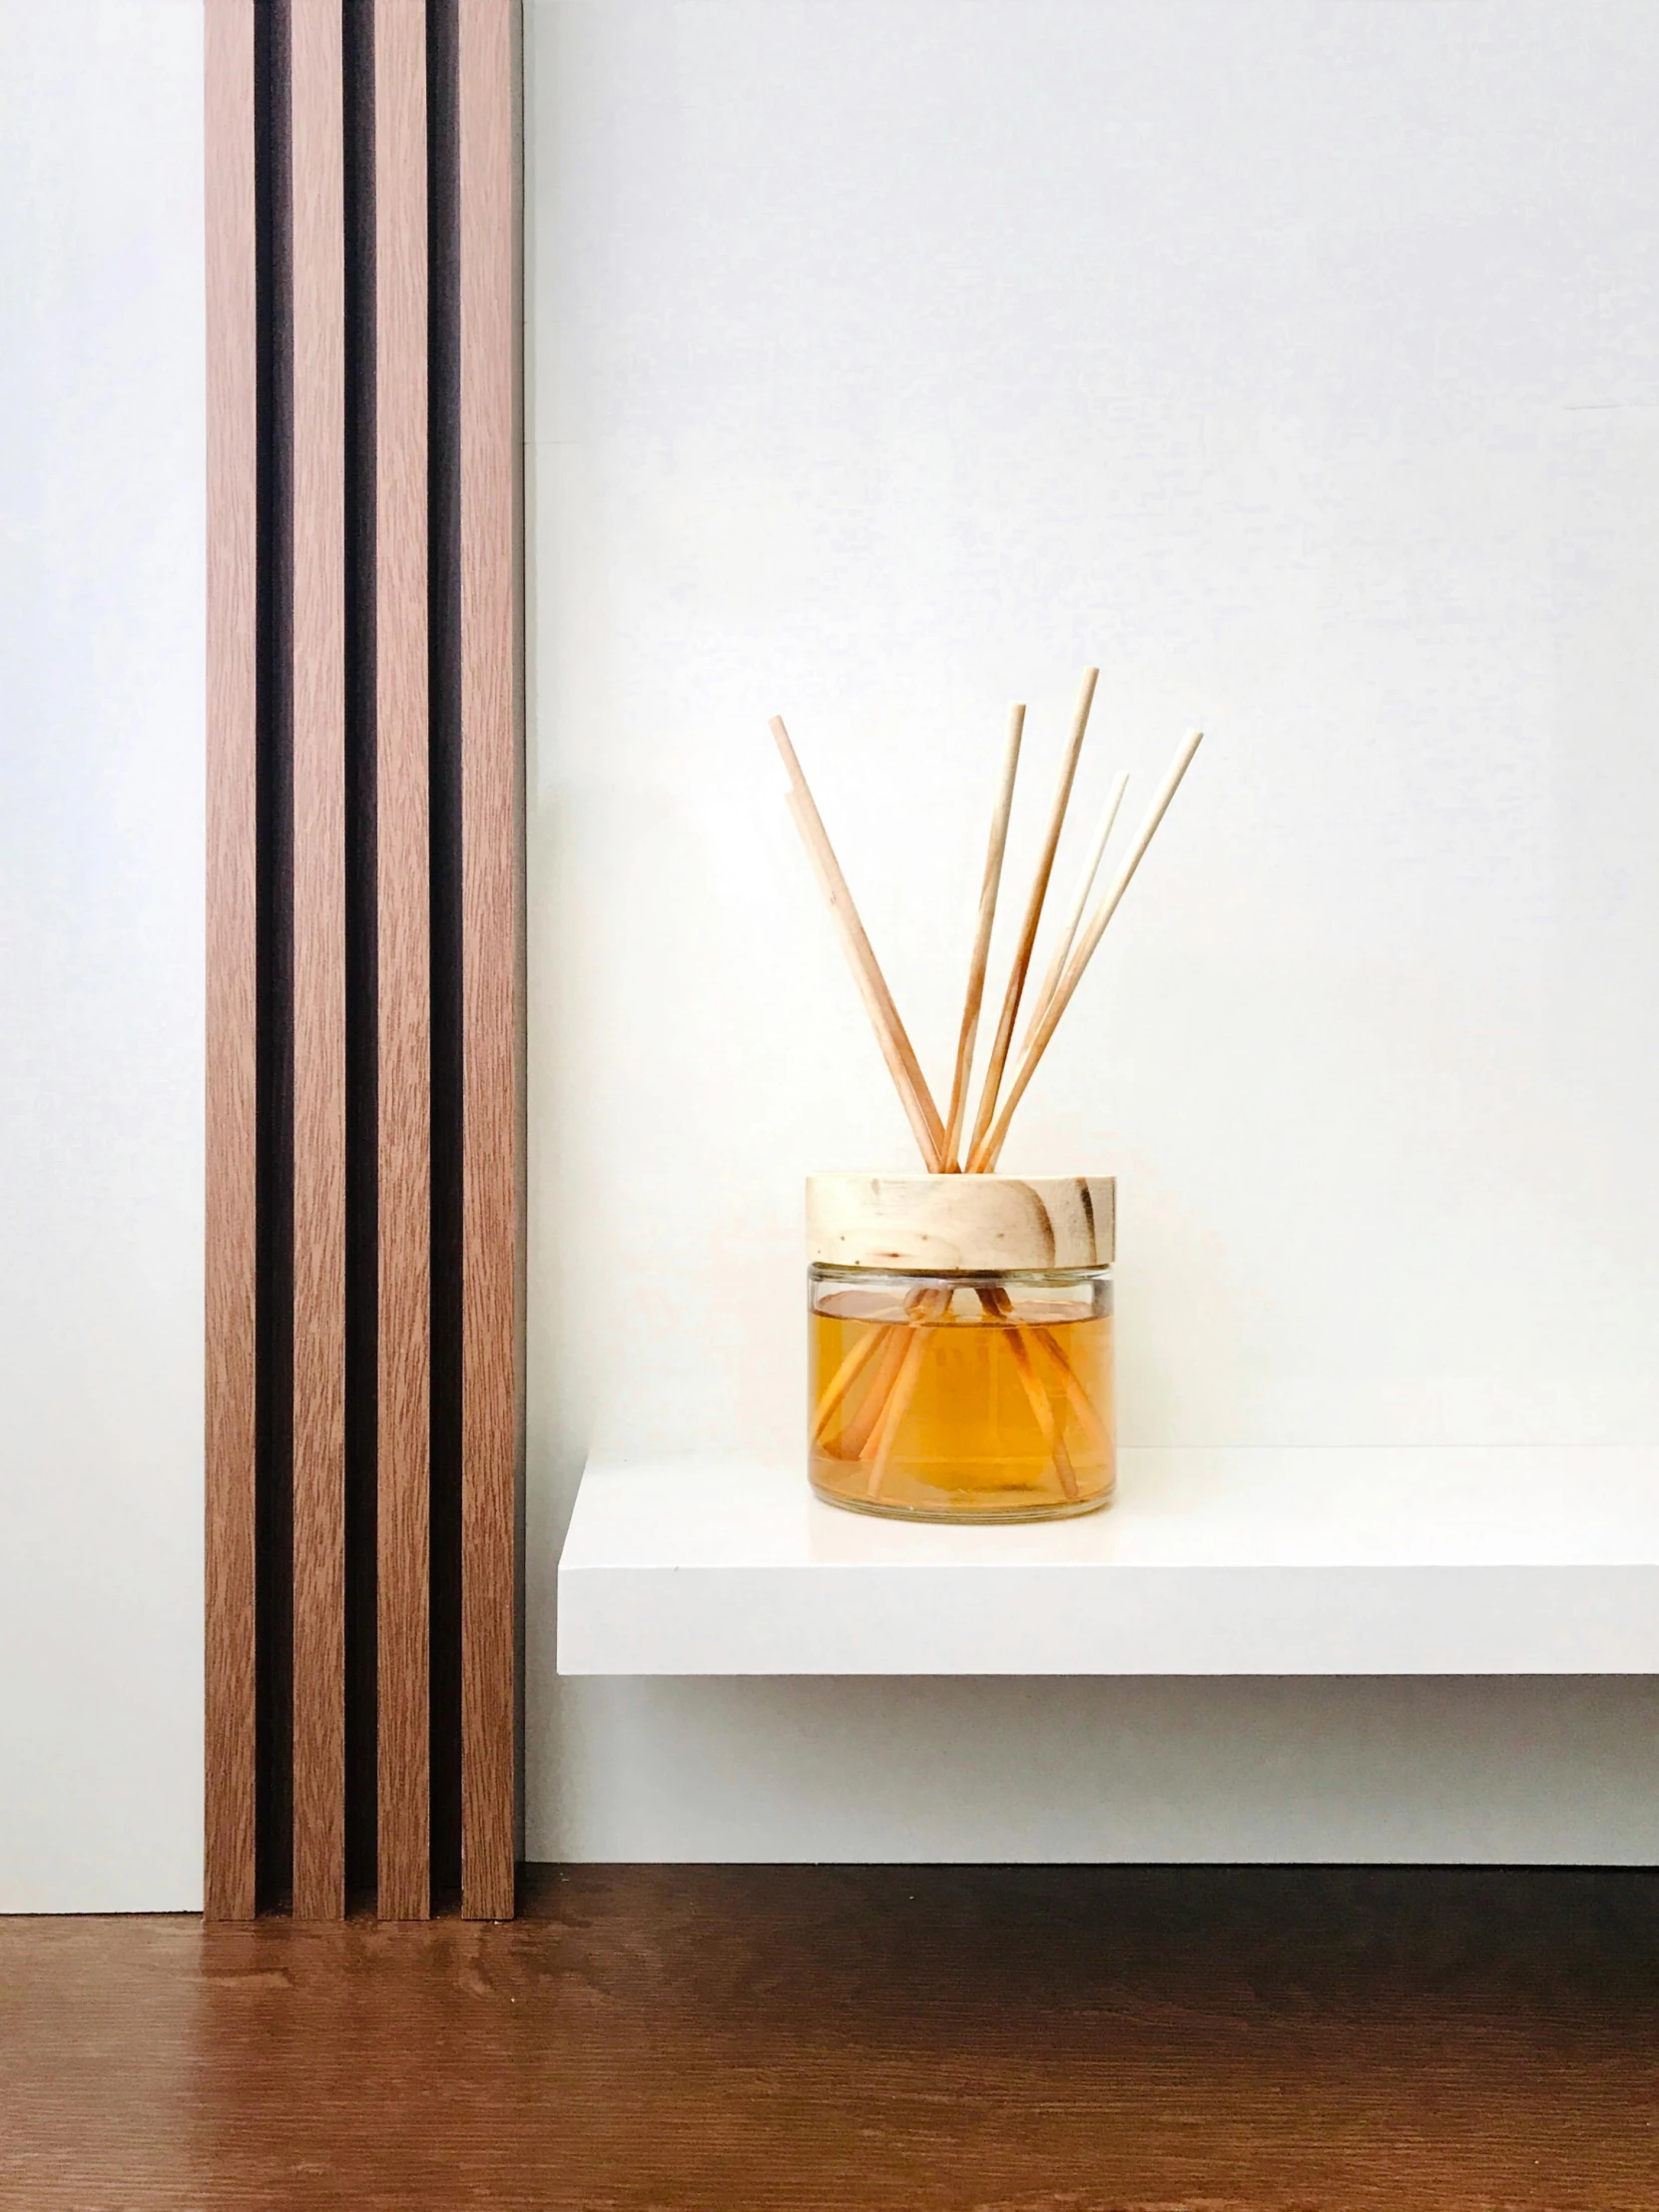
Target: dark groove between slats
<point>273,1334</point>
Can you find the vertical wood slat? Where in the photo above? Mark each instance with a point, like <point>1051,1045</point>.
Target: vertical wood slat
<point>233,439</point>
<point>490,931</point>
<point>317,126</point>
<point>404,984</point>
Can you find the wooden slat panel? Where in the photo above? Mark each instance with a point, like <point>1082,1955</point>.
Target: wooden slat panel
<point>491,930</point>
<point>319,963</point>
<point>403,899</point>
<point>232,331</point>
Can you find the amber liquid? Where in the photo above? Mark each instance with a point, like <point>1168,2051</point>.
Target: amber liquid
<point>961,1403</point>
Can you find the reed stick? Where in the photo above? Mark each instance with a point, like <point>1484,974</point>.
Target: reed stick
<point>1085,884</point>
<point>1033,914</point>
<point>862,1424</point>
<point>843,1380</point>
<point>983,1159</point>
<point>885,1432</point>
<point>998,1302</point>
<point>1048,1427</point>
<point>991,884</point>
<point>1076,1397</point>
<point>891,1033</point>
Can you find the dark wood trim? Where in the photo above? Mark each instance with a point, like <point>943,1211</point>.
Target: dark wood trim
<point>318,961</point>
<point>233,436</point>
<point>490,879</point>
<point>404,981</point>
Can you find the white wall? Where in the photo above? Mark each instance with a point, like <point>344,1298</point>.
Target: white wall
<point>101,891</point>
<point>1299,363</point>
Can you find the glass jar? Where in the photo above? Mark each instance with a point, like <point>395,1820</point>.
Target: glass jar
<point>961,1346</point>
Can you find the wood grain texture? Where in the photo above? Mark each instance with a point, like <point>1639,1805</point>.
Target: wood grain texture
<point>233,436</point>
<point>318,962</point>
<point>959,1223</point>
<point>405,979</point>
<point>861,2039</point>
<point>490,900</point>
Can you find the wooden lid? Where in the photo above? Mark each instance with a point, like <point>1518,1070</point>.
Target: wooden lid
<point>961,1224</point>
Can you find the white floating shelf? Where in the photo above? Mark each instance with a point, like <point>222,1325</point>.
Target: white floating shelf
<point>1365,1561</point>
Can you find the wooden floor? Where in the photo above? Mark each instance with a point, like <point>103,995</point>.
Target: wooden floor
<point>1005,2039</point>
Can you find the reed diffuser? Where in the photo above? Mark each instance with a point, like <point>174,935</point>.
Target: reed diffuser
<point>961,1338</point>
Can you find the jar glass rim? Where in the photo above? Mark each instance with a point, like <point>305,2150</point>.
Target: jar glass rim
<point>825,1271</point>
